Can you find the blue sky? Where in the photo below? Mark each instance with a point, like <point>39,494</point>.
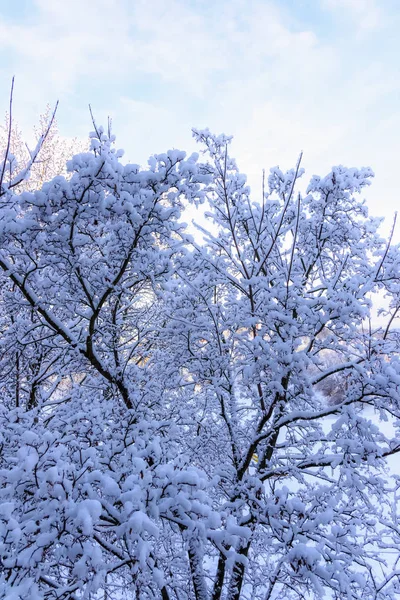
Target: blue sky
<point>320,76</point>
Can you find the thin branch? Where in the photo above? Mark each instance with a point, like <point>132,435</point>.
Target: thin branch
<point>293,246</point>
<point>8,136</point>
<point>387,246</point>
<point>286,205</point>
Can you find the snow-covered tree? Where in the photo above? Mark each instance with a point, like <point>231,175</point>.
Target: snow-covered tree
<point>26,169</point>
<point>272,311</point>
<point>175,437</point>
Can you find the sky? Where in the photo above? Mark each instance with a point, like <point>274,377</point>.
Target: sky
<point>282,76</point>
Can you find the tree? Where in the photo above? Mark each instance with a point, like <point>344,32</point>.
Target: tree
<point>180,443</point>
<point>54,151</point>
<point>24,169</point>
<point>283,285</point>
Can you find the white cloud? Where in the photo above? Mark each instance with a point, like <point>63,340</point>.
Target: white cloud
<point>366,15</point>
<point>247,67</point>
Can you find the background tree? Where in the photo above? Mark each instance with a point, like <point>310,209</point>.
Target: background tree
<point>54,152</point>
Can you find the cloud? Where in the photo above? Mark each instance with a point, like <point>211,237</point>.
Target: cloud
<point>278,78</point>
<point>68,41</point>
<point>366,15</point>
<point>64,42</point>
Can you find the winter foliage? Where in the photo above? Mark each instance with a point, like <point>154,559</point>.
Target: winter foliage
<point>206,418</point>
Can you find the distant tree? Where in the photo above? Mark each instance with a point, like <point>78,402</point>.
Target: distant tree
<point>55,151</point>
<point>179,443</point>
